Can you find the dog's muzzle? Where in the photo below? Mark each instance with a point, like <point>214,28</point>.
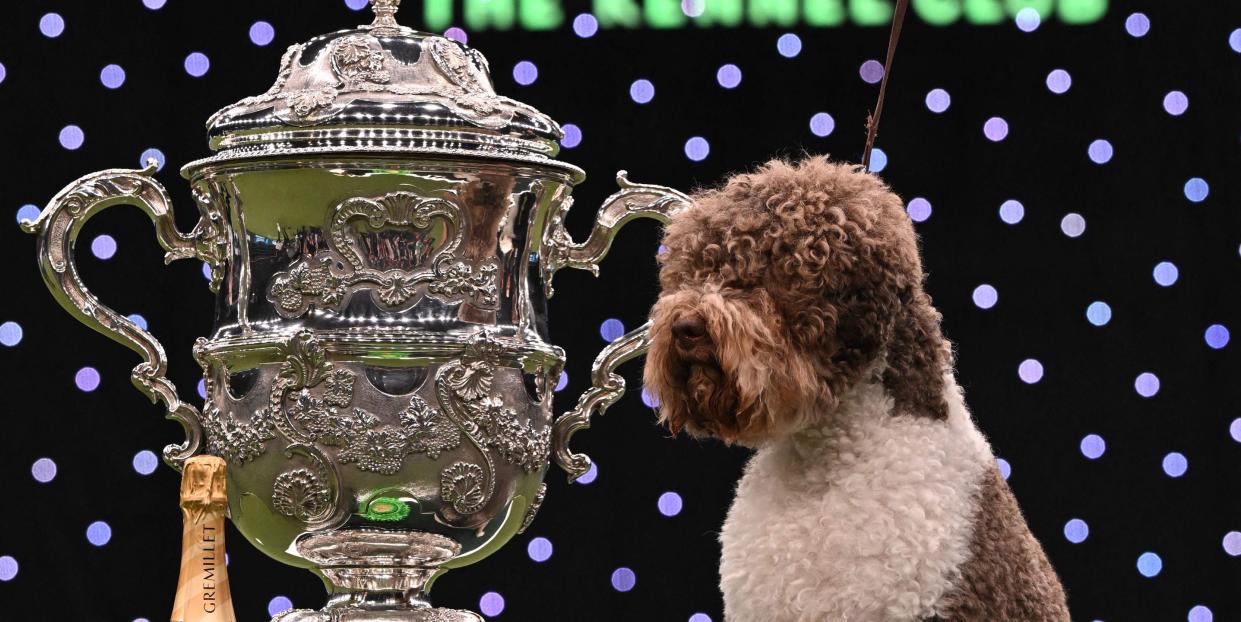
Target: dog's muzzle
<point>693,342</point>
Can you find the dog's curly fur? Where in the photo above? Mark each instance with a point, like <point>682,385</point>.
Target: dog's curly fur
<point>792,313</point>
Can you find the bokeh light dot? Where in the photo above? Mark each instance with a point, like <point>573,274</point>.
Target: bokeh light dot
<point>139,320</point>
<point>700,617</point>
<point>1137,25</point>
<point>670,504</point>
<point>1175,464</point>
<point>642,91</point>
<point>1232,543</point>
<point>540,549</point>
<point>206,271</point>
<point>1146,384</point>
<point>357,5</point>
<point>1234,40</point>
<point>590,475</point>
<point>1076,531</point>
<point>788,45</point>
<point>919,209</point>
<point>1166,273</point>
<point>11,333</point>
<point>1149,564</point>
<point>649,398</point>
<point>262,33</point>
<point>1028,19</point>
<point>8,568</point>
<point>1216,336</point>
<point>1073,225</point>
<point>197,64</point>
<point>457,34</point>
<point>52,25</point>
<point>155,5</point>
<point>1200,613</point>
<point>562,382</point>
<point>525,73</point>
<point>623,579</point>
<point>99,533</point>
<point>1100,151</point>
<point>145,462</point>
<point>995,129</point>
<point>1093,446</point>
<point>693,8</point>
<point>822,124</point>
<point>72,137</point>
<point>585,25</point>
<point>728,76</point>
<point>697,148</point>
<point>1059,81</point>
<point>1030,371</point>
<point>871,71</point>
<point>1012,211</point>
<point>1175,103</point>
<point>87,379</point>
<point>938,100</point>
<point>1098,313</point>
<point>985,296</point>
<point>4,72</point>
<point>43,470</point>
<point>491,604</point>
<point>878,160</point>
<point>103,246</point>
<point>202,388</point>
<point>278,604</point>
<point>28,212</point>
<point>572,136</point>
<point>158,155</point>
<point>112,76</point>
<point>1197,189</point>
<point>611,329</point>
<point>1005,468</point>
<point>1234,429</point>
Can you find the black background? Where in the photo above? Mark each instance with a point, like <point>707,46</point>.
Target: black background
<point>1134,206</point>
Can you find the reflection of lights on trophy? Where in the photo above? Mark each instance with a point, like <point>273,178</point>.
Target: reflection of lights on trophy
<point>382,230</point>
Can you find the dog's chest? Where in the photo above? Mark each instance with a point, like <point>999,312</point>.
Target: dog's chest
<point>872,524</point>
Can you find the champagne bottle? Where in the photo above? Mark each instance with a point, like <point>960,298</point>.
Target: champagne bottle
<point>202,590</point>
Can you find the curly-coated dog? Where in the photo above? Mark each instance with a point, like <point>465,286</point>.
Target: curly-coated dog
<point>792,319</point>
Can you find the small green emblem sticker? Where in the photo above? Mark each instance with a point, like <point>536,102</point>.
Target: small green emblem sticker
<point>386,509</point>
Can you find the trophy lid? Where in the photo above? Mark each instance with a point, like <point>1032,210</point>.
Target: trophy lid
<point>383,88</point>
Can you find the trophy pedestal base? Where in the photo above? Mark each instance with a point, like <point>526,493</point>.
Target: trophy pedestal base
<point>427,614</point>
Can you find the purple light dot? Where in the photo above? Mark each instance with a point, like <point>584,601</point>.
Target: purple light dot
<point>103,246</point>
<point>822,124</point>
<point>1137,25</point>
<point>87,379</point>
<point>1146,384</point>
<point>562,382</point>
<point>585,25</point>
<point>878,160</point>
<point>1175,464</point>
<point>525,73</point>
<point>1028,19</point>
<point>642,91</point>
<point>539,549</point>
<point>1197,189</point>
<point>649,398</point>
<point>788,45</point>
<point>202,388</point>
<point>919,209</point>
<point>154,5</point>
<point>1012,211</point>
<point>1200,613</point>
<point>8,568</point>
<point>99,533</point>
<point>938,100</point>
<point>1098,313</point>
<point>1005,468</point>
<point>457,34</point>
<point>1093,446</point>
<point>611,329</point>
<point>729,76</point>
<point>669,504</point>
<point>693,8</point>
<point>197,64</point>
<point>1175,103</point>
<point>1076,531</point>
<point>871,71</point>
<point>147,155</point>
<point>995,129</point>
<point>1059,81</point>
<point>356,5</point>
<point>206,271</point>
<point>1030,371</point>
<point>1234,40</point>
<point>1100,151</point>
<point>1234,429</point>
<point>279,604</point>
<point>145,462</point>
<point>623,579</point>
<point>27,213</point>
<point>112,76</point>
<point>590,474</point>
<point>697,148</point>
<point>52,25</point>
<point>1166,273</point>
<point>1232,543</point>
<point>491,604</point>
<point>700,617</point>
<point>43,470</point>
<point>1149,564</point>
<point>4,73</point>
<point>1217,336</point>
<point>262,33</point>
<point>1073,225</point>
<point>72,137</point>
<point>572,136</point>
<point>11,333</point>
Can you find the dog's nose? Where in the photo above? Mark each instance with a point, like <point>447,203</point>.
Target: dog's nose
<point>689,329</point>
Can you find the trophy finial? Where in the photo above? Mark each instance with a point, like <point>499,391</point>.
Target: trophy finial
<point>385,13</point>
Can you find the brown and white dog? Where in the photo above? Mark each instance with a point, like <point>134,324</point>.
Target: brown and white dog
<point>792,319</point>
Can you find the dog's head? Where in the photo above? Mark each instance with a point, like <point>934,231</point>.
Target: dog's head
<point>778,292</point>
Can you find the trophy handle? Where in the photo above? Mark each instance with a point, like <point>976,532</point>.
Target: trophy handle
<point>58,227</point>
<point>631,202</point>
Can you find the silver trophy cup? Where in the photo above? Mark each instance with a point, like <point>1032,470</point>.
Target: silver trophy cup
<point>382,230</point>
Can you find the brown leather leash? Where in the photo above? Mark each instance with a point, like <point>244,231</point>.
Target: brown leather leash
<point>872,120</point>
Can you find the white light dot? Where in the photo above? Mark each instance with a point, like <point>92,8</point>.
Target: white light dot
<point>585,25</point>
<point>43,470</point>
<point>154,4</point>
<point>1234,40</point>
<point>669,504</point>
<point>572,136</point>
<point>160,159</point>
<point>1149,564</point>
<point>1100,151</point>
<point>642,91</point>
<point>788,45</point>
<point>145,462</point>
<point>728,76</point>
<point>623,579</point>
<point>700,617</point>
<point>1175,464</point>
<point>1234,429</point>
<point>1059,81</point>
<point>1197,189</point>
<point>457,34</point>
<point>995,129</point>
<point>1216,336</point>
<point>1073,225</point>
<point>1076,531</point>
<point>197,64</point>
<point>693,8</point>
<point>112,76</point>
<point>72,137</point>
<point>8,568</point>
<point>278,604</point>
<point>1093,446</point>
<point>1200,613</point>
<point>1137,25</point>
<point>822,124</point>
<point>539,549</point>
<point>1232,543</point>
<point>491,604</point>
<point>1005,468</point>
<point>1012,211</point>
<point>985,296</point>
<point>697,148</point>
<point>1146,384</point>
<point>1098,313</point>
<point>52,25</point>
<point>1175,103</point>
<point>1030,371</point>
<point>919,209</point>
<point>11,333</point>
<point>525,73</point>
<point>878,160</point>
<point>589,476</point>
<point>103,246</point>
<point>262,33</point>
<point>99,533</point>
<point>87,379</point>
<point>1166,273</point>
<point>871,71</point>
<point>1028,19</point>
<point>938,100</point>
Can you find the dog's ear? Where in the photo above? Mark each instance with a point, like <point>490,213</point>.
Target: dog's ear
<point>918,357</point>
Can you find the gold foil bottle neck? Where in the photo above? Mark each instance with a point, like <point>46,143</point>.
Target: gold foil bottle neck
<point>202,591</point>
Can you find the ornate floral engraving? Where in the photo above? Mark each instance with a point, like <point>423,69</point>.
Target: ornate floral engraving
<point>301,494</point>
<point>356,62</point>
<point>330,277</point>
<point>462,484</point>
<point>464,69</point>
<point>237,443</point>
